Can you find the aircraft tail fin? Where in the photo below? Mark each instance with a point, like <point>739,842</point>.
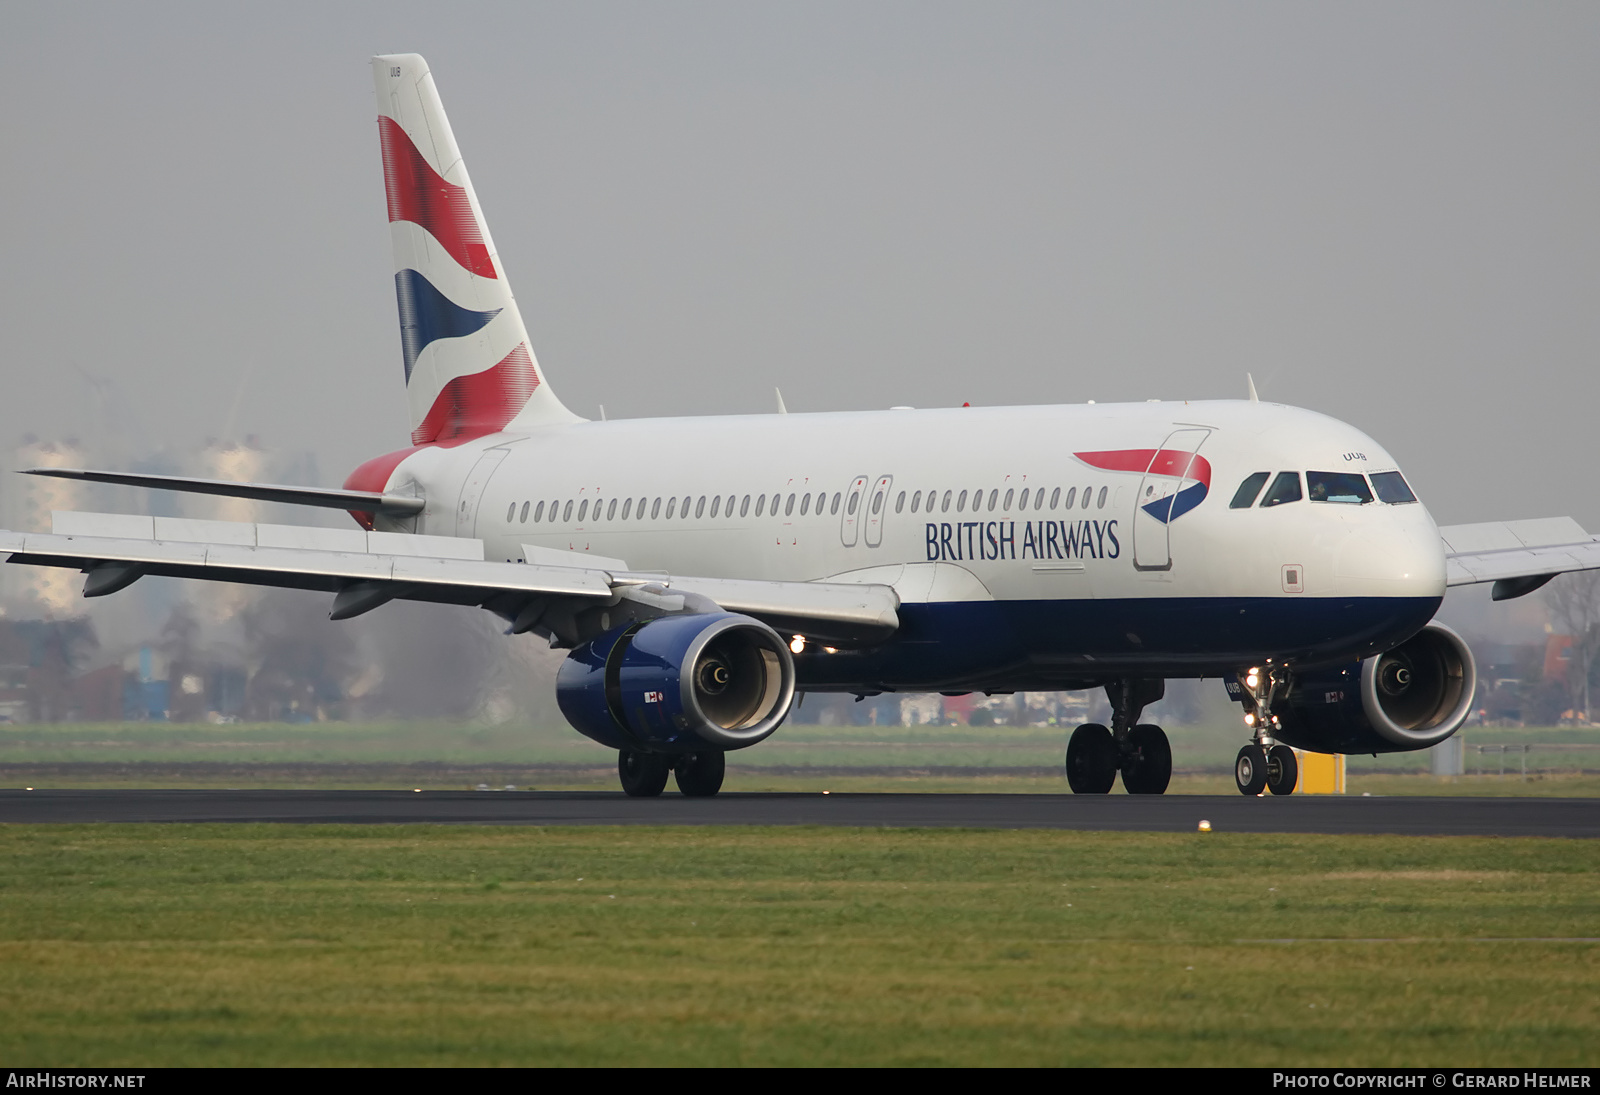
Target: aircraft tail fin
<point>469,367</point>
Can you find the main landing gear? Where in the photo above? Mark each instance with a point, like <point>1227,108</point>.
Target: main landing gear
<point>1139,751</point>
<point>644,775</point>
<point>1265,764</point>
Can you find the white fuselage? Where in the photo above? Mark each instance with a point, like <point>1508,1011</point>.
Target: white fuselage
<point>853,491</point>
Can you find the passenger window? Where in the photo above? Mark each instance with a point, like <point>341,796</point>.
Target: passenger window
<point>583,509</point>
<point>566,514</point>
<point>877,502</point>
<point>1285,488</point>
<point>761,504</point>
<point>1245,496</point>
<point>1088,493</point>
<point>994,496</point>
<point>716,504</point>
<point>900,502</point>
<point>1072,498</point>
<point>1101,504</point>
<point>627,507</point>
<point>538,513</point>
<point>672,506</point>
<point>699,507</point>
<point>1055,497</point>
<point>854,499</point>
<point>525,506</point>
<point>1338,486</point>
<point>655,509</point>
<point>1392,488</point>
<point>511,511</point>
<point>744,507</point>
<point>961,501</point>
<point>1006,505</point>
<point>834,507</point>
<point>916,497</point>
<point>684,512</point>
<point>945,506</point>
<point>1022,499</point>
<point>729,508</point>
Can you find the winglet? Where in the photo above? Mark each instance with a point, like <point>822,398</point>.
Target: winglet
<point>1250,382</point>
<point>781,408</point>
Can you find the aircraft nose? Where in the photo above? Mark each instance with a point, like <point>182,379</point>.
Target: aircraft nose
<point>1396,555</point>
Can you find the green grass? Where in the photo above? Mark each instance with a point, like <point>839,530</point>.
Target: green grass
<point>799,757</point>
<point>137,946</point>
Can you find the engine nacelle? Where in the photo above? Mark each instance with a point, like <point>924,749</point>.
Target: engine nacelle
<point>679,684</point>
<point>1411,697</point>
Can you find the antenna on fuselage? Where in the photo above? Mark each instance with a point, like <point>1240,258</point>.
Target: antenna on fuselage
<point>1250,382</point>
<point>781,408</point>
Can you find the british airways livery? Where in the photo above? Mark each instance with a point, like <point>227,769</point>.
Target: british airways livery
<point>703,571</point>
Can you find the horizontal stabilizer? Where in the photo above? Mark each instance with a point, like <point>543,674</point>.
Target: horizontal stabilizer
<point>360,501</point>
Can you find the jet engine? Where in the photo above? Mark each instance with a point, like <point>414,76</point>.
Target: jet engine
<point>1411,697</point>
<point>679,684</point>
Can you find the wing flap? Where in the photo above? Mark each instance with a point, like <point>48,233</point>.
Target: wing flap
<point>1504,551</point>
<point>455,572</point>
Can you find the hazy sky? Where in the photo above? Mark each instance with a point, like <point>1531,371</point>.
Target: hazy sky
<point>1386,212</point>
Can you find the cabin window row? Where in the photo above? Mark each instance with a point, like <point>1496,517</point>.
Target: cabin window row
<point>1346,487</point>
<point>579,511</point>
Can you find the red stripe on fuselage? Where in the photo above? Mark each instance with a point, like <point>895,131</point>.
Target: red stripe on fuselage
<point>419,194</point>
<point>1174,462</point>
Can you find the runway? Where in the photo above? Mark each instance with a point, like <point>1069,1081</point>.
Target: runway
<point>1543,817</point>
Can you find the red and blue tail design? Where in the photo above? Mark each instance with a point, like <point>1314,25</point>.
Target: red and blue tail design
<point>1186,467</point>
<point>468,365</point>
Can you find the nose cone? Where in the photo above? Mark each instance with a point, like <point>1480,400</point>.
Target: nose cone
<point>1392,551</point>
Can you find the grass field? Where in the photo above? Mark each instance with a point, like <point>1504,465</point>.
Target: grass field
<point>1562,761</point>
<point>233,945</point>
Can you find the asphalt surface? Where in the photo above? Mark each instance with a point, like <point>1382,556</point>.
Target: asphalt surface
<point>1545,817</point>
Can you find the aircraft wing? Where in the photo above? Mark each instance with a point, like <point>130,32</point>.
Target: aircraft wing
<point>550,591</point>
<point>1517,556</point>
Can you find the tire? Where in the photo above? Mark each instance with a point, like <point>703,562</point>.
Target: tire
<point>1250,770</point>
<point>1283,770</point>
<point>700,775</point>
<point>1147,769</point>
<point>1091,760</point>
<point>643,775</point>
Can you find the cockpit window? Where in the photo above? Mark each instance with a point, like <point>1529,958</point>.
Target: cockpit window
<point>1285,488</point>
<point>1245,496</point>
<point>1338,486</point>
<point>1392,488</point>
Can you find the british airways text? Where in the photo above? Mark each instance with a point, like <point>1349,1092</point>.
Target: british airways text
<point>956,541</point>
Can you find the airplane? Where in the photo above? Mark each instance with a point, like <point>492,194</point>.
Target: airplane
<point>704,571</point>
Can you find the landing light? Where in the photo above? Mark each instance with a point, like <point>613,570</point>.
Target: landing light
<point>798,644</point>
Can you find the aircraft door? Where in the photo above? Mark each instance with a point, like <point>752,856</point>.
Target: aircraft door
<point>849,524</point>
<point>877,508</point>
<point>472,491</point>
<point>1167,476</point>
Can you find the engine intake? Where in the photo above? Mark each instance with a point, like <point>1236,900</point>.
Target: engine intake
<point>1411,697</point>
<point>679,684</point>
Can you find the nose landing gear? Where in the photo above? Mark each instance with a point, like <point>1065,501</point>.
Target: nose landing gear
<point>1265,764</point>
<point>1139,751</point>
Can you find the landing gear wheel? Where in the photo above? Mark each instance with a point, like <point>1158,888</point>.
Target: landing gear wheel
<point>1091,760</point>
<point>1147,768</point>
<point>700,774</point>
<point>1250,770</point>
<point>643,775</point>
<point>1283,770</point>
